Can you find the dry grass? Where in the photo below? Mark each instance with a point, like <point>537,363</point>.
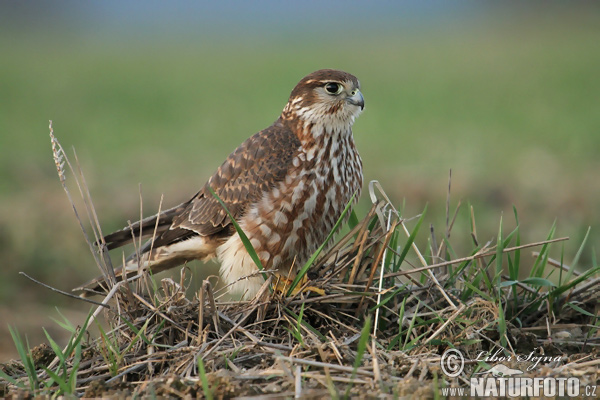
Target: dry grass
<point>376,332</point>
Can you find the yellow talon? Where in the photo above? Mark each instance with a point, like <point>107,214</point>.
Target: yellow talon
<point>282,283</point>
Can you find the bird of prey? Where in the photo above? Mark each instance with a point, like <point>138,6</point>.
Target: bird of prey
<point>286,186</point>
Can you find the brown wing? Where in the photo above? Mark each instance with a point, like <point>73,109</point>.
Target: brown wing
<point>255,166</point>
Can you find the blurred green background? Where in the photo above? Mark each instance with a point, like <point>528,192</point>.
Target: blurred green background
<point>158,94</point>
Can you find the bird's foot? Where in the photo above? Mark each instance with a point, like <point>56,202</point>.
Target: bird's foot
<point>283,283</point>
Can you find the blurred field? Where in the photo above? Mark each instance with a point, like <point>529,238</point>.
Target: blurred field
<point>510,103</point>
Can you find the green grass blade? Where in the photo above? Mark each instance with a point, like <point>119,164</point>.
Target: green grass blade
<point>388,298</point>
<point>62,384</point>
<point>479,292</point>
<point>137,337</point>
<point>489,284</point>
<point>305,324</point>
<point>533,281</point>
<point>514,263</point>
<point>578,254</point>
<point>72,382</point>
<point>576,259</point>
<point>74,342</point>
<point>138,332</point>
<point>502,325</point>
<point>474,281</point>
<point>205,386</point>
<point>411,237</point>
<point>499,257</point>
<point>66,324</point>
<point>296,334</point>
<point>542,259</point>
<point>401,319</point>
<point>110,354</point>
<point>514,273</point>
<point>55,347</point>
<point>459,270</point>
<point>144,337</point>
<point>362,344</point>
<point>413,343</point>
<point>11,380</point>
<point>450,249</point>
<point>568,286</point>
<point>26,359</point>
<point>411,325</point>
<point>581,310</point>
<point>360,351</point>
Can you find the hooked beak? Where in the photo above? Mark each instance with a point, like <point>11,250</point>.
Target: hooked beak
<point>357,99</point>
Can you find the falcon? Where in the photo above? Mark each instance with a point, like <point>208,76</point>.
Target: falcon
<point>286,186</point>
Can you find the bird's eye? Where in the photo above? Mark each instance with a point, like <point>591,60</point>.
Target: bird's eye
<point>333,88</point>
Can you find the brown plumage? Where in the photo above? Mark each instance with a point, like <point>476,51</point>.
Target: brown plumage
<point>286,186</point>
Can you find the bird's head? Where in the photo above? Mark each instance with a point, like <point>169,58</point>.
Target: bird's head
<point>328,100</point>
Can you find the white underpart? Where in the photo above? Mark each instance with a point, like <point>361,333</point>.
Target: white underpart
<point>238,269</point>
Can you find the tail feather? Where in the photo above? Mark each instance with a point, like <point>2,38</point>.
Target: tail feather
<point>143,228</point>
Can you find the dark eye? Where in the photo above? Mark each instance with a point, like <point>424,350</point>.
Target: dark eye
<point>333,88</point>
